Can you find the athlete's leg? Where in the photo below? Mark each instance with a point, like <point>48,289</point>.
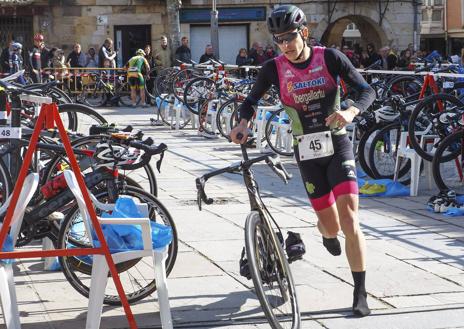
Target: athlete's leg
<point>355,245</point>
<point>342,176</point>
<point>133,90</point>
<point>142,94</point>
<point>329,226</point>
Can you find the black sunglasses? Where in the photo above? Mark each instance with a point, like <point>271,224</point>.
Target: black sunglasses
<point>287,37</point>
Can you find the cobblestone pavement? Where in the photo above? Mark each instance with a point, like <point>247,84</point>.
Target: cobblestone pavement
<point>415,258</point>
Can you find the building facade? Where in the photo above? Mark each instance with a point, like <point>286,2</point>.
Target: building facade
<point>134,23</point>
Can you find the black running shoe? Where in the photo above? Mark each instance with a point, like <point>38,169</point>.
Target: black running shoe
<point>294,247</point>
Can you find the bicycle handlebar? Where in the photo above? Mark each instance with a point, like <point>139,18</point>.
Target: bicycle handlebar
<point>272,159</point>
<point>149,151</point>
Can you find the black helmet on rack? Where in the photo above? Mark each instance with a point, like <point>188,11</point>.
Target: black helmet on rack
<point>285,18</point>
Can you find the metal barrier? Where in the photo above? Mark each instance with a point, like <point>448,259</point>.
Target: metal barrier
<point>74,79</point>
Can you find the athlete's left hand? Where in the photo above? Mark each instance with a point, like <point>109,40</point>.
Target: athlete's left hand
<point>341,118</point>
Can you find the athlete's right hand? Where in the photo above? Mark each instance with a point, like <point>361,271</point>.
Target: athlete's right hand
<point>242,129</point>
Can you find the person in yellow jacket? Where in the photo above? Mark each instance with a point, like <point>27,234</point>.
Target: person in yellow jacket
<point>135,66</point>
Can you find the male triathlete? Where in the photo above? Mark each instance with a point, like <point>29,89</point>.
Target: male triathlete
<point>135,65</point>
<point>307,78</point>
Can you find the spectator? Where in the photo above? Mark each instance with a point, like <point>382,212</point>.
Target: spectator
<point>51,55</point>
<point>348,52</point>
<point>405,58</point>
<point>35,59</point>
<point>207,55</point>
<point>258,57</point>
<point>16,61</point>
<point>91,58</point>
<point>150,75</point>
<point>183,53</point>
<point>313,42</point>
<point>253,49</point>
<point>76,58</point>
<point>242,58</point>
<point>107,53</point>
<point>383,52</point>
<point>163,56</point>
<point>392,58</point>
<point>270,52</point>
<point>149,55</point>
<point>59,65</point>
<point>45,59</point>
<point>372,55</point>
<point>5,57</point>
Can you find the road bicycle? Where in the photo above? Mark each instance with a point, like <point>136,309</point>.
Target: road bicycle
<point>268,265</point>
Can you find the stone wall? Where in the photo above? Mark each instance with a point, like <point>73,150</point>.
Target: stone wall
<point>65,22</point>
<point>69,21</point>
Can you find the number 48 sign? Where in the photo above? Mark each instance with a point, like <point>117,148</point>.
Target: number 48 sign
<point>10,133</point>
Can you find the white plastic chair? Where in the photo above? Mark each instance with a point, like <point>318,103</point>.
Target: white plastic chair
<point>100,268</point>
<point>7,288</point>
<point>406,152</point>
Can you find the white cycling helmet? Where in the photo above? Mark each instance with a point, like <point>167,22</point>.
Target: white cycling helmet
<point>386,114</point>
<point>109,155</point>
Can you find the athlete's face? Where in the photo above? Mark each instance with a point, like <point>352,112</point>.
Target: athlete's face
<point>291,43</point>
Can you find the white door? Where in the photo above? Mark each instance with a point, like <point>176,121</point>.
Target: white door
<point>231,39</point>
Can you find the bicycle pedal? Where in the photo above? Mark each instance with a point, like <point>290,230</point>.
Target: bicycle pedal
<point>243,265</point>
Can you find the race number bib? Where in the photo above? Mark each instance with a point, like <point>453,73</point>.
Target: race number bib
<point>133,69</point>
<point>316,145</point>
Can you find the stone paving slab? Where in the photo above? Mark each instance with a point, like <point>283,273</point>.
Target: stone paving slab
<point>415,258</point>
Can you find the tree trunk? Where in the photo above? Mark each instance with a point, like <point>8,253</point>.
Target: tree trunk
<point>172,9</point>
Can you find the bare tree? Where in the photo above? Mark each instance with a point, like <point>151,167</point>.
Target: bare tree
<point>172,8</point>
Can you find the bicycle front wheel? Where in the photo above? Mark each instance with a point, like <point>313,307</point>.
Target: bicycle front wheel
<point>271,274</point>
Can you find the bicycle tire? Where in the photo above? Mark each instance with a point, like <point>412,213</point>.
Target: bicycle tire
<point>167,114</point>
<point>93,96</point>
<point>363,149</point>
<point>426,116</point>
<point>275,269</point>
<point>197,91</point>
<point>381,147</point>
<point>81,117</point>
<point>58,96</point>
<point>225,113</point>
<point>269,132</point>
<point>204,124</point>
<point>444,179</point>
<point>6,185</point>
<point>405,86</point>
<point>180,80</point>
<point>77,270</point>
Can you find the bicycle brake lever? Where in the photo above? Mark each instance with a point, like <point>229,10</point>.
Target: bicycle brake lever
<point>277,167</point>
<point>201,195</point>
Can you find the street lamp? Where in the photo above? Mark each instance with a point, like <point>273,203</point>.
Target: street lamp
<point>215,30</point>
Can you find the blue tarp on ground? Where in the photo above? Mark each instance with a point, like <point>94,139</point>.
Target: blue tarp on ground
<point>392,188</point>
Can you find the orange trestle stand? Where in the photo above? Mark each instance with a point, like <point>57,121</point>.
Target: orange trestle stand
<point>50,118</point>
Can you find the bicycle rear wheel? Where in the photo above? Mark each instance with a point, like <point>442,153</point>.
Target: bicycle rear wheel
<point>447,163</point>
<point>279,131</point>
<point>271,274</point>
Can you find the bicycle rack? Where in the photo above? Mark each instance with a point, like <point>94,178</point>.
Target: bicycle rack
<point>50,118</point>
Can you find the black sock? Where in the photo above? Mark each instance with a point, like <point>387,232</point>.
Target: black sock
<point>332,245</point>
<point>360,307</point>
